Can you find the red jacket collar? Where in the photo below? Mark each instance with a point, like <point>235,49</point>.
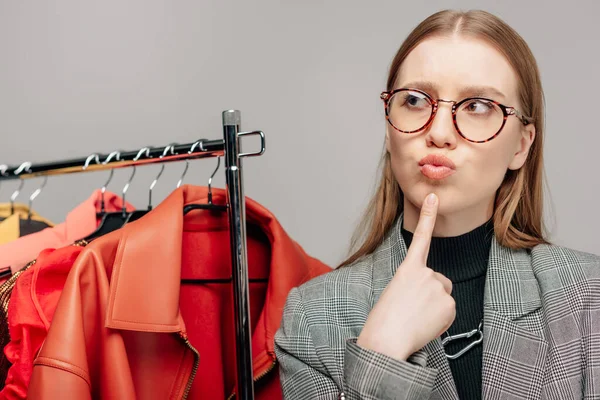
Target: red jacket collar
<point>148,256</point>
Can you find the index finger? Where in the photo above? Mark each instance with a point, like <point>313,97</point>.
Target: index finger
<point>419,247</point>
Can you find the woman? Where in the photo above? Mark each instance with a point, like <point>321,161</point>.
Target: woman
<point>454,291</point>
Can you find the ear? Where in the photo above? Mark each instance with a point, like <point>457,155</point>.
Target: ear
<point>524,144</point>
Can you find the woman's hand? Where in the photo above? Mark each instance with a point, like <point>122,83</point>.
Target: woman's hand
<point>416,306</point>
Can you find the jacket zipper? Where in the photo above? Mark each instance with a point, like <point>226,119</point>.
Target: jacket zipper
<point>188,387</point>
<point>257,378</point>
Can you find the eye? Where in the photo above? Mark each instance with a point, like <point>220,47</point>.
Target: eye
<point>415,101</point>
<point>478,106</point>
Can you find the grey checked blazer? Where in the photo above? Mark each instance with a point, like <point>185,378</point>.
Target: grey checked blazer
<point>541,331</point>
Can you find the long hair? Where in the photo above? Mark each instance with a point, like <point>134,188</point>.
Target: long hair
<point>518,207</point>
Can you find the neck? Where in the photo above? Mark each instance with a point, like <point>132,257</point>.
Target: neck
<point>450,224</point>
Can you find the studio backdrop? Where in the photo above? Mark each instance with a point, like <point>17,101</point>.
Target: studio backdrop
<point>78,77</point>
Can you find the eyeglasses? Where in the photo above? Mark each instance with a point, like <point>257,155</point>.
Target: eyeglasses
<point>476,119</point>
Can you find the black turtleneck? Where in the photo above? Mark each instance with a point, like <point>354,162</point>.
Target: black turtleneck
<point>463,259</point>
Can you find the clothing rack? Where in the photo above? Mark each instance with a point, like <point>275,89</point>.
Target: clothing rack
<point>230,148</point>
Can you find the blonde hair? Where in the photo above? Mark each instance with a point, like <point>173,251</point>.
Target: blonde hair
<point>518,209</point>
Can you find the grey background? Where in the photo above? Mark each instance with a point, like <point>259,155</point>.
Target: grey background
<point>78,77</point>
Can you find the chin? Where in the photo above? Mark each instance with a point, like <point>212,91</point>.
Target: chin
<point>450,199</point>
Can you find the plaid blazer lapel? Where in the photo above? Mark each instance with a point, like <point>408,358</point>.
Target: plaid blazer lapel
<point>444,387</point>
<point>387,258</point>
<point>514,346</point>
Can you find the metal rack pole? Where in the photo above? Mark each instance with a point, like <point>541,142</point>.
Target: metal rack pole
<point>201,149</point>
<point>239,257</point>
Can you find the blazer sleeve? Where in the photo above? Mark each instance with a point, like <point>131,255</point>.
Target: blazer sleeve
<point>365,374</point>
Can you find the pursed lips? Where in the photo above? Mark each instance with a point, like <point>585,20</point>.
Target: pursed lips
<point>437,166</point>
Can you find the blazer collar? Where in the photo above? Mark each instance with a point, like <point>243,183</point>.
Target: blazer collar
<point>514,341</point>
<point>513,345</point>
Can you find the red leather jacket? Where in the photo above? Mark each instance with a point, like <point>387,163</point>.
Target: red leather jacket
<point>30,311</point>
<point>134,320</point>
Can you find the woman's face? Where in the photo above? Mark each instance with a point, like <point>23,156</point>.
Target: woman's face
<point>454,68</point>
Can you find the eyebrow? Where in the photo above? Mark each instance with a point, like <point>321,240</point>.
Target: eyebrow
<point>464,92</point>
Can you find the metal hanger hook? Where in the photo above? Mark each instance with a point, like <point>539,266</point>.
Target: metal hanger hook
<point>142,151</point>
<point>23,167</point>
<point>88,160</point>
<point>180,181</point>
<point>126,188</point>
<point>168,149</point>
<point>112,155</point>
<point>35,194</point>
<point>162,169</point>
<point>187,162</point>
<point>211,178</point>
<point>197,143</point>
<point>86,164</point>
<point>14,196</point>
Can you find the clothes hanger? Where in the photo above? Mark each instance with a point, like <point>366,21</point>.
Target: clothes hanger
<point>183,174</point>
<point>187,162</point>
<point>214,207</point>
<point>96,158</point>
<point>114,220</point>
<point>25,166</point>
<point>35,194</point>
<point>210,205</point>
<point>102,213</point>
<point>28,225</point>
<point>137,214</point>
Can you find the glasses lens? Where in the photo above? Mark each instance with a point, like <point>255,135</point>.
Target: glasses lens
<point>479,119</point>
<point>409,111</point>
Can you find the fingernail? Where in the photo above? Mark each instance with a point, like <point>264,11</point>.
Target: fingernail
<point>431,199</point>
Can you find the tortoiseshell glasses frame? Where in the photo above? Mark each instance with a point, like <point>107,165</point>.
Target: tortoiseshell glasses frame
<point>506,111</point>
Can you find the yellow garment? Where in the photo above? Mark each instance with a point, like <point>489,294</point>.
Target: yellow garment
<point>10,228</point>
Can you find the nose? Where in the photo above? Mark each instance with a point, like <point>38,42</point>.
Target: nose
<point>441,133</point>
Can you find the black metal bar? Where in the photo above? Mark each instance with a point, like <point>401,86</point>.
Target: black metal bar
<point>203,148</point>
<point>239,257</point>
